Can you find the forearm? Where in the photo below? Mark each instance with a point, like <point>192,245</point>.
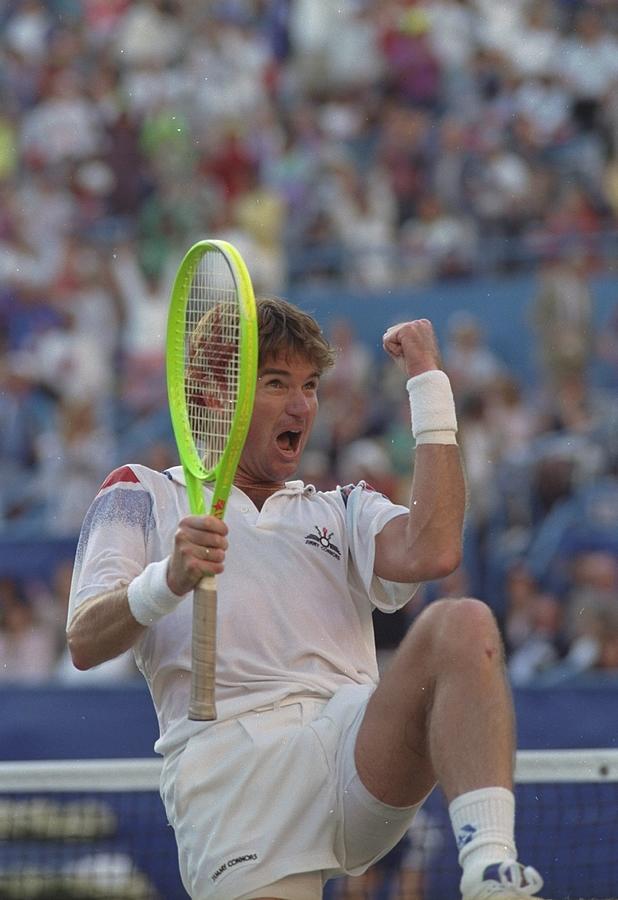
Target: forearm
<point>437,502</point>
<point>102,628</point>
<point>437,507</point>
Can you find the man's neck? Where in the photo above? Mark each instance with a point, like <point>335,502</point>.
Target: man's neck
<point>258,492</point>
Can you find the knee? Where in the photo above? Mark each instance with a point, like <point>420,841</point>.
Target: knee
<point>463,629</point>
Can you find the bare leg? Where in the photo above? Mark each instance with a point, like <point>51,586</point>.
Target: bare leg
<point>411,885</point>
<point>442,712</point>
<point>360,887</point>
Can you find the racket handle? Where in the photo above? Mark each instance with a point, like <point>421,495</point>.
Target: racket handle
<point>204,648</point>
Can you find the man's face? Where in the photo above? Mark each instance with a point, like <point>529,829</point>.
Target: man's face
<point>286,403</point>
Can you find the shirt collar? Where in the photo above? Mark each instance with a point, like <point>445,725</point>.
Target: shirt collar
<point>176,473</point>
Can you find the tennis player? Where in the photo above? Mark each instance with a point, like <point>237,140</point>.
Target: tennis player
<point>314,768</point>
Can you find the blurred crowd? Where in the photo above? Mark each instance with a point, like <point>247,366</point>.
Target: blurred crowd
<point>392,140</point>
<point>356,143</point>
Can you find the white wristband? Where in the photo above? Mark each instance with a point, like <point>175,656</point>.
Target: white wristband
<point>149,595</point>
<point>432,408</point>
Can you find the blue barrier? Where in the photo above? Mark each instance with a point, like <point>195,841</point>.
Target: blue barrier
<point>55,722</point>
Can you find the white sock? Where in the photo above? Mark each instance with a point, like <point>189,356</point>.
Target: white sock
<point>483,824</point>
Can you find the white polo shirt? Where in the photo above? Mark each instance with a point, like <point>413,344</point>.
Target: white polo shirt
<point>294,602</point>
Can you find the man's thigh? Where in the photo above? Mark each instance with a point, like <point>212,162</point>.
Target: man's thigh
<point>392,746</point>
<point>369,827</point>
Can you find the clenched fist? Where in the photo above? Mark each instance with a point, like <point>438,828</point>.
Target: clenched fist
<point>413,346</point>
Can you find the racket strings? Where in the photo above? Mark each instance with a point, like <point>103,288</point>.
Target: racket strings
<point>212,368</point>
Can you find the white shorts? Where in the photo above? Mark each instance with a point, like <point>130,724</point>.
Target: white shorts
<point>273,793</point>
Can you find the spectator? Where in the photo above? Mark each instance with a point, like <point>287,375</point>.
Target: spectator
<point>514,422</point>
<point>66,361</point>
<point>65,126</point>
<point>436,243</point>
<point>453,28</point>
<point>148,33</point>
<point>538,652</point>
<point>471,364</point>
<point>340,58</point>
<point>27,645</point>
<point>75,456</point>
<point>534,51</point>
<point>543,103</point>
<point>366,460</point>
<point>608,345</point>
<point>588,63</point>
<point>479,452</point>
<point>28,260</point>
<point>451,166</point>
<point>403,151</point>
<point>145,298</point>
<point>562,319</point>
<point>260,213</point>
<point>502,191</point>
<point>362,209</point>
<point>28,30</point>
<point>412,66</point>
<point>521,592</point>
<point>594,648</point>
<point>354,361</point>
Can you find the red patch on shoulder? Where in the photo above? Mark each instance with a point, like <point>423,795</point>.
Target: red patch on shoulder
<point>124,473</point>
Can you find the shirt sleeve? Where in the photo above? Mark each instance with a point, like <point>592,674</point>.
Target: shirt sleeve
<point>112,546</point>
<point>367,512</point>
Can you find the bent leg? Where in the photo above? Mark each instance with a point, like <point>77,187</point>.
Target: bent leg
<point>300,886</point>
<point>442,711</point>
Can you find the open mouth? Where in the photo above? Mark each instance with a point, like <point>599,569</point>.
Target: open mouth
<point>288,441</point>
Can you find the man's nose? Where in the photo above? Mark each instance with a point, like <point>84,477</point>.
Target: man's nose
<point>297,403</point>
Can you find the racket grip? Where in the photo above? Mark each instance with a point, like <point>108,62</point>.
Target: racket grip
<point>204,648</point>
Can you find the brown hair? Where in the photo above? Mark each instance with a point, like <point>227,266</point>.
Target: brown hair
<point>285,330</point>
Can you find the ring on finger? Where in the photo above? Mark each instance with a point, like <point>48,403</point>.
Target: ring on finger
<point>207,552</point>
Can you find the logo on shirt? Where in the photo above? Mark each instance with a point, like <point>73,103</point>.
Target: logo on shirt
<point>322,539</point>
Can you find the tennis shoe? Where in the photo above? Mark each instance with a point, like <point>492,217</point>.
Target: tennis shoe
<point>508,880</point>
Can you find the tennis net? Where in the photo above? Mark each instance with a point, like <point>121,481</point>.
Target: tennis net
<point>96,830</point>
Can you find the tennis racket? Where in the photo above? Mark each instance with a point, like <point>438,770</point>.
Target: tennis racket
<point>211,361</point>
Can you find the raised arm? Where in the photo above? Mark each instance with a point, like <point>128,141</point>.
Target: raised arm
<point>426,544</point>
<point>110,623</point>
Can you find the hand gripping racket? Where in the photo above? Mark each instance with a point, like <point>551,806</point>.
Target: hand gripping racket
<point>211,359</point>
